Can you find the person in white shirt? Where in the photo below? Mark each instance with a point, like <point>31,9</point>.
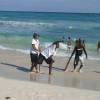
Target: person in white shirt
<point>47,55</point>
<point>69,44</point>
<point>34,52</point>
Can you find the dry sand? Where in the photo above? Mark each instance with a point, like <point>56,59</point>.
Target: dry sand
<point>17,82</point>
<point>21,90</point>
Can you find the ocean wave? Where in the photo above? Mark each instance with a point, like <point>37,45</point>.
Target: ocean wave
<point>59,53</point>
<point>50,27</point>
<point>61,24</point>
<point>62,46</point>
<point>72,25</point>
<point>5,48</point>
<point>3,18</point>
<point>11,49</point>
<point>22,23</point>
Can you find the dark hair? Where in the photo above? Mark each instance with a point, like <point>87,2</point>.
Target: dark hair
<point>56,42</point>
<point>80,41</point>
<point>35,35</point>
<point>69,38</point>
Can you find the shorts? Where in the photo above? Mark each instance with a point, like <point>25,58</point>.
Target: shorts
<point>69,46</point>
<point>34,58</point>
<point>79,59</point>
<point>42,58</point>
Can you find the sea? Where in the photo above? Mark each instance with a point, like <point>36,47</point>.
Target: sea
<point>17,28</point>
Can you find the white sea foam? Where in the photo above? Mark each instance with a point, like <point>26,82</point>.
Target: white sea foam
<point>63,46</point>
<point>23,51</point>
<point>59,52</point>
<point>5,48</point>
<point>46,44</point>
<point>19,50</point>
<point>70,27</point>
<point>23,24</point>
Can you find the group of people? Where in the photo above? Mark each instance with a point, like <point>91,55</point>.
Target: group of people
<point>38,56</point>
<point>69,43</point>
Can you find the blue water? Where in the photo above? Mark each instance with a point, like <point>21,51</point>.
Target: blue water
<point>16,29</point>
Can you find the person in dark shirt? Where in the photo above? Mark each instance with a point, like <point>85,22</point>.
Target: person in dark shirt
<point>78,51</point>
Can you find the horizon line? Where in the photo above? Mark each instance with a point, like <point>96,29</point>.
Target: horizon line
<point>49,12</point>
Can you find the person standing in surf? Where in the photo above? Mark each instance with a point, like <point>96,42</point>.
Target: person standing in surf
<point>78,51</point>
<point>34,52</point>
<point>69,44</point>
<point>47,55</point>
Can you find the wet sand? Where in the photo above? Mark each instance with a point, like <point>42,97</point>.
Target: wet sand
<point>15,65</point>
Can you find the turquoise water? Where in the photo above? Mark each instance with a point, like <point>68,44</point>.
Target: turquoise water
<point>16,29</point>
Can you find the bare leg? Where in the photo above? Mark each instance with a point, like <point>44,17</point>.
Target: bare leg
<point>76,60</point>
<point>50,68</point>
<point>35,65</point>
<point>80,68</point>
<point>39,67</point>
<point>75,64</point>
<point>32,66</point>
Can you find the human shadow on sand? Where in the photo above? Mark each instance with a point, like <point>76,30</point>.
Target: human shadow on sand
<point>28,70</point>
<point>54,68</point>
<point>17,67</point>
<point>97,72</point>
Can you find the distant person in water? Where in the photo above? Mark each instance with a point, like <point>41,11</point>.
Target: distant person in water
<point>98,46</point>
<point>47,55</point>
<point>78,51</point>
<point>69,44</point>
<point>34,52</point>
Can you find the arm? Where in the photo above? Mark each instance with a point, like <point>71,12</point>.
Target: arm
<point>39,48</point>
<point>33,46</point>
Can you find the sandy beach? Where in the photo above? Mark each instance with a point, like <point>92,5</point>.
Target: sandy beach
<point>16,80</point>
<point>20,90</point>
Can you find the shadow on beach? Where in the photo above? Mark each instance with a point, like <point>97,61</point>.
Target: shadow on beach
<point>97,72</point>
<point>54,68</point>
<point>24,69</point>
<point>58,77</point>
<point>17,67</point>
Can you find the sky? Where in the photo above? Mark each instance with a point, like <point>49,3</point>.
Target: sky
<point>81,6</point>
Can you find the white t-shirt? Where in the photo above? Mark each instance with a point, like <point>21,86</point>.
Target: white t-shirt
<point>50,50</point>
<point>36,43</point>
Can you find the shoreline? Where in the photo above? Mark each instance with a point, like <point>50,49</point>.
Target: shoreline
<point>59,54</point>
<point>16,65</point>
